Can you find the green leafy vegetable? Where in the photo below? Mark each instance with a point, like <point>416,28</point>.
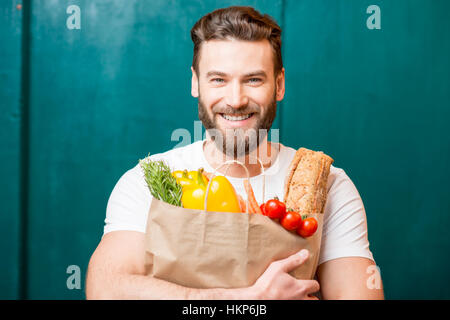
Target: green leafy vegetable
<point>161,183</point>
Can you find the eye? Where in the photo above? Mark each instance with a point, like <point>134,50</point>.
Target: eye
<point>254,80</point>
<point>218,80</point>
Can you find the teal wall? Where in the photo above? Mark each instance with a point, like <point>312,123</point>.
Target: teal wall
<point>80,107</point>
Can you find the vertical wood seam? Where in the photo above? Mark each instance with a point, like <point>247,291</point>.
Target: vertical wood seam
<point>24,149</point>
<point>283,44</point>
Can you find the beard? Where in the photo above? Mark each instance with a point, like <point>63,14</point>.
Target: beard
<point>237,143</point>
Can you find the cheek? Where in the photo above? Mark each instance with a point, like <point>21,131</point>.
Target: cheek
<point>210,97</point>
<point>207,105</point>
<point>262,96</point>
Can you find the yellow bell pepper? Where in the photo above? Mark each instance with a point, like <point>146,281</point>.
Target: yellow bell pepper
<point>221,197</point>
<point>186,178</point>
<point>178,174</point>
<point>182,178</point>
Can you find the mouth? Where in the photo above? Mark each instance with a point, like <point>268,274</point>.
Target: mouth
<point>236,118</point>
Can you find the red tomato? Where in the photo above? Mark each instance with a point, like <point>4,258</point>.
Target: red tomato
<point>275,209</point>
<point>263,208</point>
<point>291,220</point>
<point>307,227</point>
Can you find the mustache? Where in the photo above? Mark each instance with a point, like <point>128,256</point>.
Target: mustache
<point>236,111</point>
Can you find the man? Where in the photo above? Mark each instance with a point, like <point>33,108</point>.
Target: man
<point>238,77</point>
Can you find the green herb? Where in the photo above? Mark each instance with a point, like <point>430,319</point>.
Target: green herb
<point>161,183</point>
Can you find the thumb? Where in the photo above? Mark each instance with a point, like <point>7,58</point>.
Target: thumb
<point>295,260</point>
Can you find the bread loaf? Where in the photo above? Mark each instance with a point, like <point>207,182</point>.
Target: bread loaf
<point>305,189</point>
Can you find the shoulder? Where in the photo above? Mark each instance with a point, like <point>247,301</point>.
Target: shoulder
<point>341,189</point>
<point>133,180</point>
<point>338,179</point>
<point>130,199</point>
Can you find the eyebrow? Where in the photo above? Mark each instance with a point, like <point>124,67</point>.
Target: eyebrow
<point>248,75</point>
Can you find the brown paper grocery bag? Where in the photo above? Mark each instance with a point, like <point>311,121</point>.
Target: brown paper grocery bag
<point>202,249</point>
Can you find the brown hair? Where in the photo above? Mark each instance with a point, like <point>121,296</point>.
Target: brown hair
<point>240,23</point>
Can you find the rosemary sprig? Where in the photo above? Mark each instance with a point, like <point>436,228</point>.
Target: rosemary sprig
<point>161,183</point>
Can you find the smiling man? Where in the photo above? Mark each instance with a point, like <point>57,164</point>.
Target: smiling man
<point>238,77</point>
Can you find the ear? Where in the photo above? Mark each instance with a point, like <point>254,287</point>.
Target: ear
<point>194,83</point>
<point>280,85</point>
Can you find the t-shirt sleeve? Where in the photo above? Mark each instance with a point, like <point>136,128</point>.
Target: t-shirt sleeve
<point>345,226</point>
<point>128,203</point>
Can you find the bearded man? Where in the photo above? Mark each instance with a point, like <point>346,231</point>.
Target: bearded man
<point>238,77</point>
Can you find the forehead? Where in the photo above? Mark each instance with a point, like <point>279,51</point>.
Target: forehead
<point>236,56</point>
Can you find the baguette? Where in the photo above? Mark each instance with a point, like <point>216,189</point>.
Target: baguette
<point>305,189</point>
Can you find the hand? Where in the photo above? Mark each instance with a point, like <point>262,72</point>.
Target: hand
<point>277,283</point>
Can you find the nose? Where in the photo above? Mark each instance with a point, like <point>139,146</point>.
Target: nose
<point>235,95</point>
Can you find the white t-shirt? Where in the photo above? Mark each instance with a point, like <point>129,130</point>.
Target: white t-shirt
<point>344,227</point>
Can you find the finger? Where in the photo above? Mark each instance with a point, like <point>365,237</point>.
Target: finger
<point>311,286</point>
<point>294,260</point>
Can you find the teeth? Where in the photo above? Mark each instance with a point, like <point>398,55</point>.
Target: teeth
<point>238,118</point>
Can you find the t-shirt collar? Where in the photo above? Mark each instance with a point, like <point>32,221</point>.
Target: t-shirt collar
<point>209,168</point>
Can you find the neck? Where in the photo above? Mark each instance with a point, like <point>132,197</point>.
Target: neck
<point>266,151</point>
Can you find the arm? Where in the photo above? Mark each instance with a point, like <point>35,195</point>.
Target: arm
<point>117,271</point>
<point>350,278</point>
<point>346,266</point>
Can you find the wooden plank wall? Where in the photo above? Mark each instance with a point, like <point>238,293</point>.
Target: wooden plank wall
<point>80,107</point>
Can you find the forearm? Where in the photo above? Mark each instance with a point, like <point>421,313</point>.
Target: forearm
<point>141,287</point>
<point>222,294</point>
